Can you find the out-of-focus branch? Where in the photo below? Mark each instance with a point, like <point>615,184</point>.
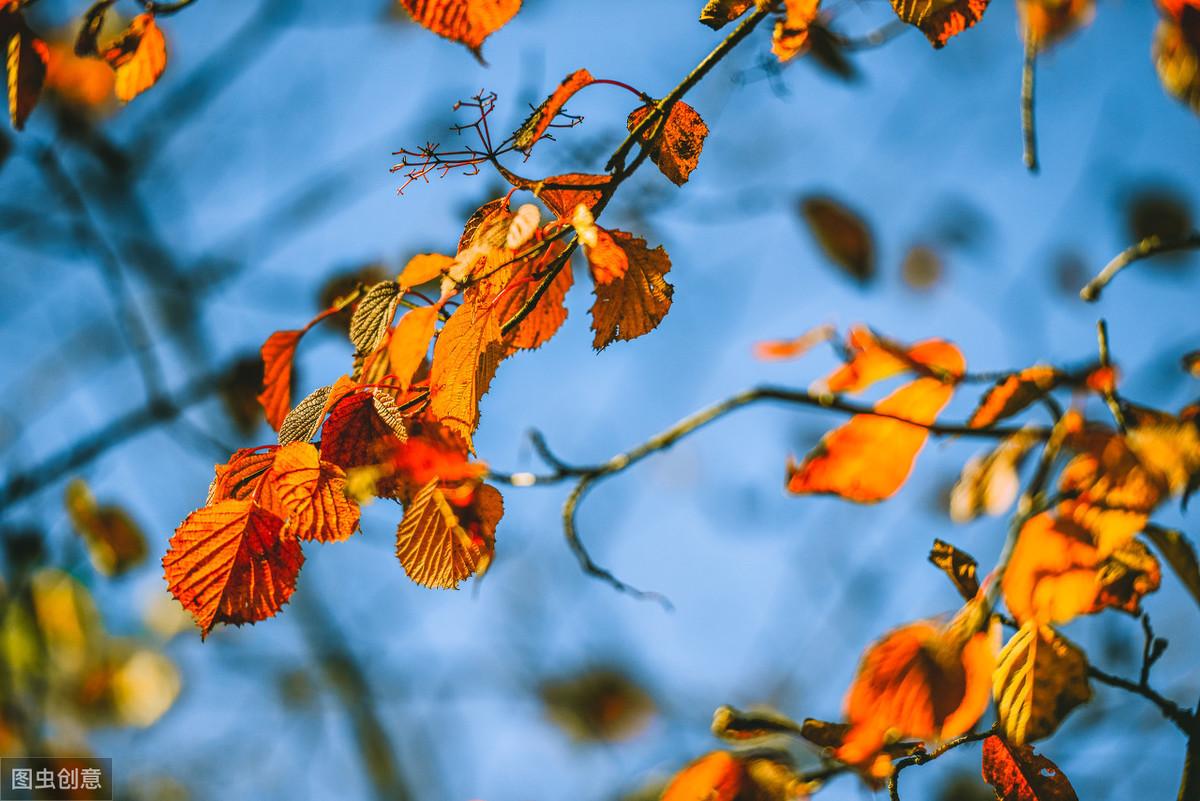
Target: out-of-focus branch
<point>1150,246</point>
<point>587,477</point>
<point>921,757</point>
<point>156,411</point>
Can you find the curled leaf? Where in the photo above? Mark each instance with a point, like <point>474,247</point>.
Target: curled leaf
<point>676,149</point>
<point>958,565</point>
<point>1040,677</point>
<point>440,545</point>
<point>138,56</point>
<point>1018,773</point>
<point>536,125</point>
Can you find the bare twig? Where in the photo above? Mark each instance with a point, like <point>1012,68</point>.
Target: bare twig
<point>922,757</point>
<point>1028,124</point>
<point>1150,246</point>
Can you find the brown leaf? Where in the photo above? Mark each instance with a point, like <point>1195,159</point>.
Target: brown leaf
<point>138,56</point>
<point>536,125</point>
<point>1178,61</point>
<point>373,316</point>
<point>734,724</point>
<point>26,59</point>
<point>958,565</point>
<point>240,476</point>
<point>1040,677</point>
<point>1180,555</point>
<point>227,563</point>
<point>790,37</point>
<point>842,235</point>
<point>716,14</point>
<point>676,149</point>
<point>940,20</point>
<point>467,21</point>
<point>1017,773</point>
<point>440,545</point>
<point>115,543</point>
<point>1015,393</point>
<point>636,303</point>
<point>562,193</point>
<point>1126,576</point>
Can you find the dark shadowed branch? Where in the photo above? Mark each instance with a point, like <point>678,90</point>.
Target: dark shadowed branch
<point>1150,246</point>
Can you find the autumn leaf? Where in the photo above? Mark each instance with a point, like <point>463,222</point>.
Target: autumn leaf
<point>989,482</point>
<point>738,726</point>
<point>874,359</point>
<point>1015,393</point>
<point>373,316</point>
<point>869,458</point>
<point>83,83</point>
<point>548,315</point>
<point>278,353</point>
<point>465,358</point>
<point>357,435</point>
<point>635,303</point>
<point>1180,555</point>
<point>1040,677</point>
<point>483,244</point>
<point>1125,576</point>
<point>469,22</point>
<point>423,268</point>
<point>599,704</point>
<point>1046,22</point>
<point>26,59</point>
<point>538,122</point>
<point>410,343</point>
<point>1017,773</point>
<point>925,680</point>
<point>842,235</point>
<point>304,421</point>
<point>115,543</point>
<point>1051,574</point>
<point>239,477</point>
<point>790,37</point>
<point>440,545</point>
<point>434,452</point>
<point>676,148</point>
<point>774,349</point>
<point>227,563</point>
<point>1177,51</point>
<point>563,193</point>
<point>716,14</point>
<point>940,20</point>
<point>138,56</point>
<point>717,776</point>
<point>311,494</point>
<point>958,565</point>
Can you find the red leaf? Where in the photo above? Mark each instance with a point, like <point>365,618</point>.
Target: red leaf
<point>1018,774</point>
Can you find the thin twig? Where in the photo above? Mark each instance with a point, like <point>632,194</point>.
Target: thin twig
<point>921,757</point>
<point>1150,246</point>
<point>1028,124</point>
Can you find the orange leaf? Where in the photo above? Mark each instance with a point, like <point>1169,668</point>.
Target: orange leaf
<point>26,58</point>
<point>439,545</point>
<point>606,259</point>
<point>638,301</point>
<point>423,268</point>
<point>1017,773</point>
<point>138,56</point>
<point>924,681</point>
<point>85,83</point>
<point>227,563</point>
<point>1177,55</point>
<point>311,494</point>
<point>940,20</point>
<point>465,358</point>
<point>432,452</point>
<point>536,125</point>
<point>277,353</point>
<point>717,776</point>
<point>870,457</point>
<point>356,435</point>
<point>409,343</point>
<point>794,348</point>
<point>561,196</point>
<point>1015,393</point>
<point>873,359</point>
<point>465,21</point>
<point>1046,22</point>
<point>551,311</point>
<point>1051,575</point>
<point>238,478</point>
<point>676,150</point>
<point>790,37</point>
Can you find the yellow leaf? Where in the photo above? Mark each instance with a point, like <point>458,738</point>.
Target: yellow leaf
<point>440,545</point>
<point>1040,677</point>
<point>138,56</point>
<point>465,358</point>
<point>635,303</point>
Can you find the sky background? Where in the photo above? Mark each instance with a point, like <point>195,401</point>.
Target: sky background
<point>279,179</point>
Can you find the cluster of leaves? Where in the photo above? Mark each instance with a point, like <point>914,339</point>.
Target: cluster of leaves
<point>1077,548</point>
<point>126,63</point>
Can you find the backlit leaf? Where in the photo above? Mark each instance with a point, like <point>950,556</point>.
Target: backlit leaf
<point>410,343</point>
<point>373,316</point>
<point>311,494</point>
<point>562,193</point>
<point>1012,394</point>
<point>551,311</point>
<point>1017,773</point>
<point>1040,677</point>
<point>960,566</point>
<point>355,435</point>
<point>465,358</point>
<point>1045,22</point>
<point>536,125</point>
<point>869,458</point>
<point>794,348</point>
<point>842,235</point>
<point>716,14</point>
<point>874,359</point>
<point>238,478</point>
<point>228,564</point>
<point>303,422</point>
<point>467,21</point>
<point>989,483</point>
<point>790,37</point>
<point>138,56</point>
<point>677,148</point>
<point>440,545</point>
<point>423,268</point>
<point>1177,55</point>
<point>940,20</point>
<point>638,301</point>
<point>717,776</point>
<point>26,59</point>
<point>278,353</point>
<point>1051,575</point>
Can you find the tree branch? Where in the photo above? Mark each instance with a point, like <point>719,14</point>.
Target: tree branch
<point>921,757</point>
<point>1150,246</point>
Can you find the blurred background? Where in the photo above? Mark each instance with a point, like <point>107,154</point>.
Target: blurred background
<point>149,250</point>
